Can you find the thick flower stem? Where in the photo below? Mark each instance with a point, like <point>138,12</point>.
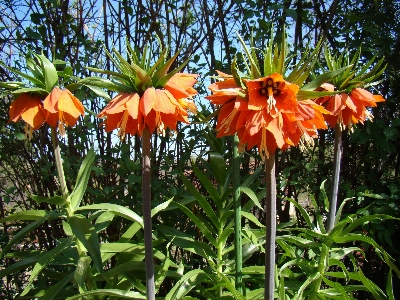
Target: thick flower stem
<point>146,194</point>
<point>335,178</point>
<point>270,226</point>
<point>237,211</point>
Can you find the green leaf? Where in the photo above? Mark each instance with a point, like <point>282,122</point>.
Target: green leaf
<point>255,68</point>
<point>203,228</point>
<point>117,247</point>
<point>57,200</point>
<point>21,265</point>
<point>306,283</point>
<point>82,180</point>
<point>323,78</point>
<point>360,221</point>
<point>161,72</point>
<point>116,209</point>
<point>28,215</point>
<point>160,207</point>
<point>30,90</point>
<point>372,287</point>
<point>55,289</point>
<point>299,241</point>
<point>186,242</point>
<point>32,79</point>
<point>104,220</point>
<point>304,213</point>
<point>305,95</point>
<point>389,286</point>
<point>337,286</point>
<point>202,201</point>
<point>251,177</point>
<point>86,234</point>
<point>218,167</point>
<point>209,186</point>
<point>50,72</point>
<point>163,81</point>
<point>99,92</point>
<point>252,218</point>
<point>249,192</point>
<point>44,261</point>
<point>24,231</point>
<point>103,83</point>
<point>109,292</point>
<point>188,282</point>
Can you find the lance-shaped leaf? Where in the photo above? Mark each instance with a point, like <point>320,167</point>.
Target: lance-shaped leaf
<point>82,180</point>
<point>44,261</point>
<point>201,200</point>
<point>86,234</point>
<point>188,282</point>
<point>49,71</point>
<point>57,288</point>
<point>24,231</point>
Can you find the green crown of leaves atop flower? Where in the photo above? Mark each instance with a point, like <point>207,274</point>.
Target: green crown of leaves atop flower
<point>44,76</point>
<point>355,75</point>
<point>138,74</point>
<point>275,60</point>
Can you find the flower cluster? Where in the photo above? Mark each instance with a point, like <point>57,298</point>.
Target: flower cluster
<point>350,106</point>
<point>271,112</point>
<point>154,98</point>
<point>157,108</point>
<point>44,101</point>
<point>265,113</point>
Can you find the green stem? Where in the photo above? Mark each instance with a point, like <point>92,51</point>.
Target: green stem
<point>59,166</point>
<point>322,265</point>
<point>335,178</point>
<point>237,212</point>
<point>270,226</point>
<point>219,262</point>
<point>91,285</point>
<point>146,194</point>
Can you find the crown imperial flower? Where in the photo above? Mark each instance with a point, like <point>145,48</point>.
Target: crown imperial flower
<point>148,96</point>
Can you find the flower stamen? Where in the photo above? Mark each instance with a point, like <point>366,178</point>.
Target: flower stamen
<point>160,124</point>
<point>122,125</point>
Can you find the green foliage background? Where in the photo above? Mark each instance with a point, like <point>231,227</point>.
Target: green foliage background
<point>74,31</point>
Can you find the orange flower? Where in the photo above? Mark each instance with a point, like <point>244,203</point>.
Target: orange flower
<point>272,122</point>
<point>348,109</point>
<point>157,108</point>
<point>266,114</point>
<point>273,93</point>
<point>309,118</point>
<point>123,112</point>
<point>28,107</point>
<point>62,108</point>
<point>227,94</point>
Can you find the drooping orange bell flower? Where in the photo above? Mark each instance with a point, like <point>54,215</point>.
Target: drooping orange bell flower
<point>272,122</point>
<point>229,96</point>
<point>62,108</point>
<point>348,109</point>
<point>29,108</point>
<point>123,112</point>
<point>309,118</point>
<point>272,93</point>
<point>157,108</point>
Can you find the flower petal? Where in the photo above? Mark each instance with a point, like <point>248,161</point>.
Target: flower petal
<point>148,100</point>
